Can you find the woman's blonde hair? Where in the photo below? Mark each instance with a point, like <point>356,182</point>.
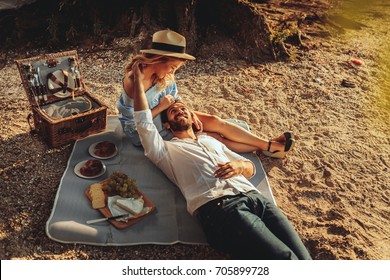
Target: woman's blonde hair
<point>150,59</point>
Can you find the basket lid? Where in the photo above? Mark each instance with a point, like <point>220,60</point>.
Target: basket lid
<point>50,77</point>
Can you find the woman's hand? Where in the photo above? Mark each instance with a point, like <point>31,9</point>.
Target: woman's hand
<point>198,124</point>
<point>165,102</point>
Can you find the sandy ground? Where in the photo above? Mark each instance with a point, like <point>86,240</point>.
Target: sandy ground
<point>334,186</point>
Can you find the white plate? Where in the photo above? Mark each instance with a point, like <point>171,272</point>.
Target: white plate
<point>60,76</point>
<point>91,151</point>
<point>81,164</point>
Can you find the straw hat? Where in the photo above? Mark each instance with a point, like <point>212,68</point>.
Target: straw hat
<point>169,43</point>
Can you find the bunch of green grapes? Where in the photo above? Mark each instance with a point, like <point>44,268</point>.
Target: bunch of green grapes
<point>119,183</point>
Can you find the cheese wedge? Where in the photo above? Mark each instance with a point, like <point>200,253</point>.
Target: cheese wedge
<point>134,206</point>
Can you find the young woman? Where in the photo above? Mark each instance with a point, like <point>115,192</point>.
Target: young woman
<point>159,65</point>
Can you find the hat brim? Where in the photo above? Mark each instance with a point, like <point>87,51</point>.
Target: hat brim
<point>171,54</point>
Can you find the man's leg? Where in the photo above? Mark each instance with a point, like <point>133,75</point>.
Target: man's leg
<point>236,138</point>
<point>232,227</point>
<point>280,226</point>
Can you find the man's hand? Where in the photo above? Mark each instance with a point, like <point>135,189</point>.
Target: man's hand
<point>234,168</point>
<point>137,74</point>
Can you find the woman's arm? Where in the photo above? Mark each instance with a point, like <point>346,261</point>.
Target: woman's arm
<point>165,102</point>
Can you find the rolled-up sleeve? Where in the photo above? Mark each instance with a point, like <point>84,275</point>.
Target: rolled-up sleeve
<point>151,140</point>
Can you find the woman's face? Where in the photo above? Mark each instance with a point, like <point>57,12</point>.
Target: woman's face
<point>168,67</point>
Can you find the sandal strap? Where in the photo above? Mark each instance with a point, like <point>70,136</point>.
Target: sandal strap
<point>269,146</point>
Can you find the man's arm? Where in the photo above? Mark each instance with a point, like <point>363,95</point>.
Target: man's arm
<point>238,165</point>
<point>140,101</point>
<point>235,168</point>
<point>151,140</point>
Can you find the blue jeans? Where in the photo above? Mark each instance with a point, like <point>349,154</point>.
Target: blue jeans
<point>249,226</point>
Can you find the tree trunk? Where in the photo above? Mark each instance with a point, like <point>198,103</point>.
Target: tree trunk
<point>249,28</point>
<point>186,22</point>
<point>245,29</point>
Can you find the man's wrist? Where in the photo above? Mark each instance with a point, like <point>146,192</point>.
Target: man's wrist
<point>248,168</point>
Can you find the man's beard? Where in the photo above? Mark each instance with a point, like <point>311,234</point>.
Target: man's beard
<point>179,126</point>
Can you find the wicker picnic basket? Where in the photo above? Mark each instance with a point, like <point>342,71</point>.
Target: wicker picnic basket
<point>62,109</point>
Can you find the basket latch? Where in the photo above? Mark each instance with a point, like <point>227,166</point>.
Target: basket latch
<point>51,63</point>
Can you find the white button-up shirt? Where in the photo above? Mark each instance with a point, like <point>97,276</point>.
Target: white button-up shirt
<point>190,164</point>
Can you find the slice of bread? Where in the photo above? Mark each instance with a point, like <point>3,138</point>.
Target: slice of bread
<point>97,195</point>
<point>134,206</point>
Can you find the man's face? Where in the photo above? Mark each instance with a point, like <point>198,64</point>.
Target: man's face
<point>179,117</point>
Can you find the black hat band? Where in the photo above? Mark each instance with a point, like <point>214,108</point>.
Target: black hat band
<point>168,47</point>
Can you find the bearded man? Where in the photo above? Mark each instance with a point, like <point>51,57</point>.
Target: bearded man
<point>236,217</point>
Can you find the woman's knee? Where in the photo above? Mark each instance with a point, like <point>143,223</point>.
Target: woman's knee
<point>214,123</point>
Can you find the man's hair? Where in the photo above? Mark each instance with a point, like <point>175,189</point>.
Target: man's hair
<point>164,114</point>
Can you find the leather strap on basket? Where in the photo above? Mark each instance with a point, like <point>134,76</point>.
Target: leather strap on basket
<point>30,121</point>
<point>63,86</point>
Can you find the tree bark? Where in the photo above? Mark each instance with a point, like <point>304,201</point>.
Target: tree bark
<point>245,29</point>
<point>186,22</point>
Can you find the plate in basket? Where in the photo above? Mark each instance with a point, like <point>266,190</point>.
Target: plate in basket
<point>93,151</point>
<point>131,220</point>
<point>82,164</point>
<point>60,81</point>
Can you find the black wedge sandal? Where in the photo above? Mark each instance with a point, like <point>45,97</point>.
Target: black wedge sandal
<point>290,142</point>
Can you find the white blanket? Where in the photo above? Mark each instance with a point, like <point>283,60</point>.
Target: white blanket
<point>169,224</point>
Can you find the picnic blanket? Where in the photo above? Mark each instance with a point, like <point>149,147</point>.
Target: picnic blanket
<point>168,224</point>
